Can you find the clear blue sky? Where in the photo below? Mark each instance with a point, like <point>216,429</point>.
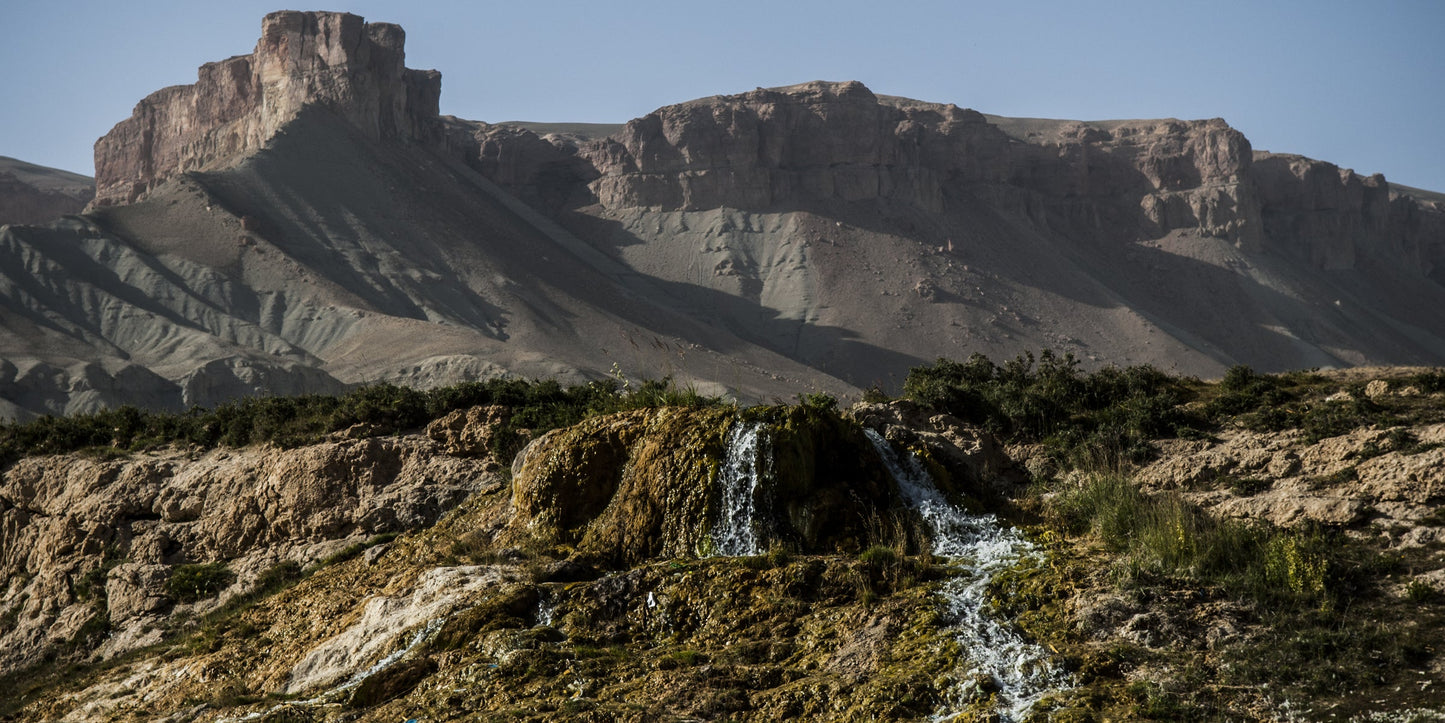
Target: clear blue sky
<point>1357,83</point>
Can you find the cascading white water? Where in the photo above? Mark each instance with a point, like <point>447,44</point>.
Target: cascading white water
<point>980,547</point>
<point>748,459</point>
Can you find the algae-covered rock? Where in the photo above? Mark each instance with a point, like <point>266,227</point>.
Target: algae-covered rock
<point>830,491</point>
<point>645,484</point>
<point>570,475</point>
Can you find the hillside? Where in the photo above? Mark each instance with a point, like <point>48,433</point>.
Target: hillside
<point>302,219</point>
<point>36,194</point>
<point>1022,541</point>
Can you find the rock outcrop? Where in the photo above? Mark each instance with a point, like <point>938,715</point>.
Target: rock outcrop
<point>652,483</point>
<point>812,142</point>
<point>86,540</point>
<point>798,146</point>
<point>334,60</point>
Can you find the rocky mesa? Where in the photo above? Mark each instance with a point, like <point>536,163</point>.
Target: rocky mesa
<point>339,61</point>
<point>302,220</point>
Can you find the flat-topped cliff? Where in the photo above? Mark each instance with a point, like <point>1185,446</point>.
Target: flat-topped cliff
<point>336,60</point>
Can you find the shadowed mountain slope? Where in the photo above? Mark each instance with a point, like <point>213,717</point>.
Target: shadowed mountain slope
<point>302,219</point>
<point>36,194</point>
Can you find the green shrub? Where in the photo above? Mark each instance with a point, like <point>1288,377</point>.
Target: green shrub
<point>1420,591</point>
<point>537,406</point>
<point>879,555</point>
<point>1429,382</point>
<point>1103,417</point>
<point>190,583</point>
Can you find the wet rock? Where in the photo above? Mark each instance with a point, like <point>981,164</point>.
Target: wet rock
<point>570,570</point>
<point>971,459</point>
<point>392,682</point>
<point>644,484</point>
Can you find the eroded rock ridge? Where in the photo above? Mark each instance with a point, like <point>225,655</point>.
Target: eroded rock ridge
<point>336,60</point>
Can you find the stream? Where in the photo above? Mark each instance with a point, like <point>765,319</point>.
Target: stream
<point>979,547</point>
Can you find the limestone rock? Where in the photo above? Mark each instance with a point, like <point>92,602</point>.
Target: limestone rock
<point>337,61</point>
<point>647,483</point>
<point>468,432</point>
<point>115,529</point>
<point>1335,481</point>
<point>975,459</point>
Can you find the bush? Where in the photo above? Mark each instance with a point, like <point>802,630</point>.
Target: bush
<point>1103,417</point>
<point>536,406</point>
<point>190,583</point>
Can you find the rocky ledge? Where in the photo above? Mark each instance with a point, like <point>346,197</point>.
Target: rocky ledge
<point>334,60</point>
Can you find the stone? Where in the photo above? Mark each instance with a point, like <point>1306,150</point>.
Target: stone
<point>469,432</point>
<point>336,61</point>
<point>251,508</point>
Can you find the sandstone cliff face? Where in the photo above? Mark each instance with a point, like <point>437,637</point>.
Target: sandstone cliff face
<point>334,60</point>
<point>812,142</point>
<point>85,539</point>
<point>789,148</point>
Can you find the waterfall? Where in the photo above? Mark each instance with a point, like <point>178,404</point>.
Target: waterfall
<point>748,458</point>
<point>980,547</point>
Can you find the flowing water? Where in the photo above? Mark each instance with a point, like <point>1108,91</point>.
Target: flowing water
<point>748,459</point>
<point>979,547</point>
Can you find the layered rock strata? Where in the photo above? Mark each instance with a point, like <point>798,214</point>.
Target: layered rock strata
<point>335,60</point>
<point>800,146</point>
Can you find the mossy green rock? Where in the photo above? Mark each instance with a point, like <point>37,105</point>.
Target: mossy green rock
<point>644,484</point>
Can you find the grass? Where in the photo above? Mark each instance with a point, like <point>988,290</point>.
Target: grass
<point>353,550</point>
<point>1311,599</point>
<point>189,583</point>
<point>1165,536</point>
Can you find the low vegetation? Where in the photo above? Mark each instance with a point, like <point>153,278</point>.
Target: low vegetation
<point>371,410</point>
<point>1104,417</point>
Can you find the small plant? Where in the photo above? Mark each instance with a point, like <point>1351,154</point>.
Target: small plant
<point>876,395</point>
<point>351,551</point>
<point>879,556</point>
<point>1247,486</point>
<point>779,555</point>
<point>190,583</point>
<point>1421,591</point>
<point>818,401</point>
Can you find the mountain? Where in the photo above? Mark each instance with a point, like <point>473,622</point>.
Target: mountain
<point>36,194</point>
<point>302,219</point>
